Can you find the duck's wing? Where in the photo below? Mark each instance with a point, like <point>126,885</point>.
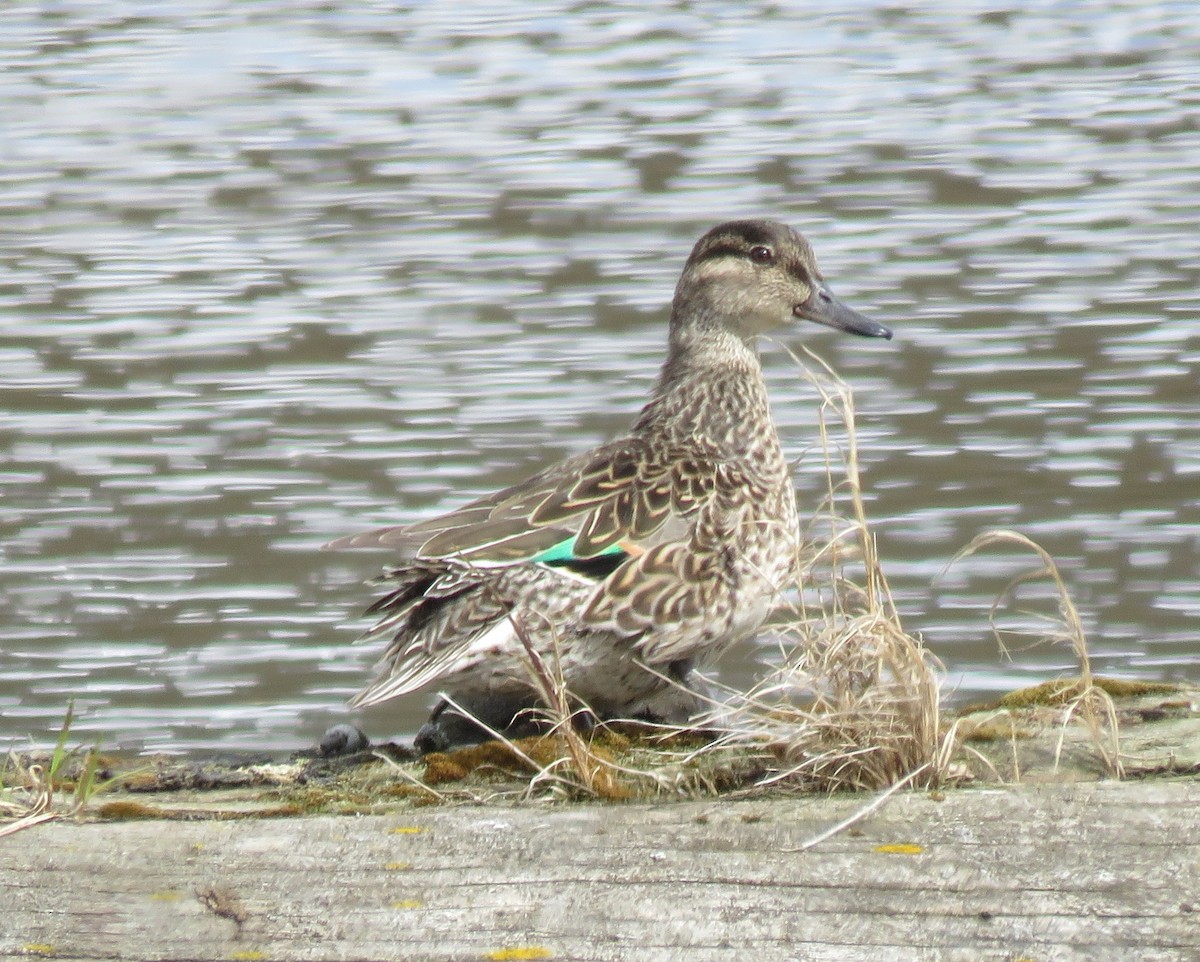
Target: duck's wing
<point>676,599</point>
<point>473,526</point>
<point>618,497</point>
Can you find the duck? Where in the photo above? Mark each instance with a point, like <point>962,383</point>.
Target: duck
<point>624,567</point>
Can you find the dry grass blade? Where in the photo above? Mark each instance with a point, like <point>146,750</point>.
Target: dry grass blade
<point>592,774</point>
<point>569,764</point>
<point>1090,701</point>
<point>855,702</point>
<point>412,779</point>
<point>60,788</point>
<point>28,821</point>
<point>860,814</point>
<point>34,805</point>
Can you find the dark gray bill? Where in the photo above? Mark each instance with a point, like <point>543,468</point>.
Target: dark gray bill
<point>826,309</point>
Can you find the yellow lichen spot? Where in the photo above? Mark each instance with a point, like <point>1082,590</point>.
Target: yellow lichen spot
<point>38,948</point>
<point>900,848</point>
<point>248,955</point>
<point>521,952</point>
<point>408,904</point>
<point>165,896</point>
<point>398,866</point>
<point>406,830</point>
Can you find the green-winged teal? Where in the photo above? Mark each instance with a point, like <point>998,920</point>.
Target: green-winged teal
<point>653,550</point>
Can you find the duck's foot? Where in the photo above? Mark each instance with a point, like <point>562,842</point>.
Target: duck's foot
<point>343,739</point>
<point>449,727</point>
<point>690,695</point>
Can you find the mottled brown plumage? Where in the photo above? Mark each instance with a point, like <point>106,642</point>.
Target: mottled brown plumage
<point>652,550</point>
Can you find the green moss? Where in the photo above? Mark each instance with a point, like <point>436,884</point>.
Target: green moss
<point>528,756</point>
<point>1132,688</point>
<point>1063,690</point>
<point>129,811</point>
<point>289,810</point>
<point>415,793</point>
<point>524,756</point>
<point>1002,729</point>
<point>323,799</point>
<point>146,780</point>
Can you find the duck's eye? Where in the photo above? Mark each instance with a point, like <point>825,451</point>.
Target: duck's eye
<point>762,255</point>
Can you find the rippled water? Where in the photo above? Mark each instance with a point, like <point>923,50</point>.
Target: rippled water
<point>274,272</point>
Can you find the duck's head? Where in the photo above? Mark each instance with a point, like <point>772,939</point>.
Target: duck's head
<point>748,276</point>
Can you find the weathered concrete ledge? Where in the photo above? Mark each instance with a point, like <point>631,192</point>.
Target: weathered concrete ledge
<point>1059,866</point>
<point>1084,871</point>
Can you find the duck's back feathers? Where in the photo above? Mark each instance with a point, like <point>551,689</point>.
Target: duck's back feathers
<point>624,494</point>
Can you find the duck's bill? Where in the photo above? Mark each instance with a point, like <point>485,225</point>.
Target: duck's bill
<point>826,309</point>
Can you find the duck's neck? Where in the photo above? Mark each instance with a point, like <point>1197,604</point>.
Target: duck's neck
<point>711,385</point>
<point>702,354</point>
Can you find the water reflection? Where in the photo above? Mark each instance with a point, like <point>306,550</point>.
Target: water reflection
<point>270,273</point>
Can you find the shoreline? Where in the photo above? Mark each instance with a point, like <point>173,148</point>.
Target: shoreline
<point>1061,864</point>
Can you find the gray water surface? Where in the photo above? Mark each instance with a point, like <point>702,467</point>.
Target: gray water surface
<point>275,272</point>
